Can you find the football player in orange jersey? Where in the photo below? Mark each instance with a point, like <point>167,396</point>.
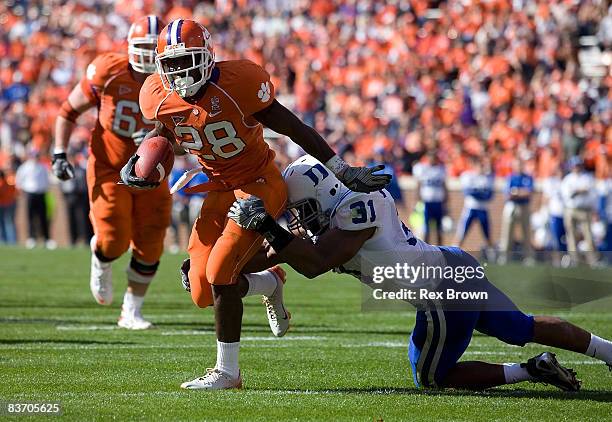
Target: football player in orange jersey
<point>216,110</point>
<point>121,216</point>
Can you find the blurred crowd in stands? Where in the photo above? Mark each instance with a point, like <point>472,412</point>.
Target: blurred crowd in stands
<point>480,82</point>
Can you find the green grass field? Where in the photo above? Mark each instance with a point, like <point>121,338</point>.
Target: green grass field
<point>336,362</point>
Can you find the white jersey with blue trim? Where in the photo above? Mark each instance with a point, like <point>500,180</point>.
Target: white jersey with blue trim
<point>551,188</point>
<point>432,180</point>
<point>391,243</point>
<point>604,190</point>
<point>478,190</point>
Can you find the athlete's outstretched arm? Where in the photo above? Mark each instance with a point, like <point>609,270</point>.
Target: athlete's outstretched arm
<point>332,249</point>
<point>76,104</point>
<point>359,179</point>
<point>281,120</point>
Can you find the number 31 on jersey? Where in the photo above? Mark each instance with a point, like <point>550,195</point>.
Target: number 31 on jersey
<point>221,136</point>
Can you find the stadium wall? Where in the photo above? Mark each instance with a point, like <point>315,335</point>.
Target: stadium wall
<point>59,222</point>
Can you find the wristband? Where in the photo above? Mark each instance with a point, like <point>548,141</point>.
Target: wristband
<point>276,236</point>
<point>59,155</point>
<point>336,164</point>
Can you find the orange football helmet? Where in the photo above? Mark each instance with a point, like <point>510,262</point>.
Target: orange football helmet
<point>142,39</point>
<point>185,57</point>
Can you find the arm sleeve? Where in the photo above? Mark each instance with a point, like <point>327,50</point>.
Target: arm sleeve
<point>96,75</point>
<point>256,90</point>
<point>146,98</point>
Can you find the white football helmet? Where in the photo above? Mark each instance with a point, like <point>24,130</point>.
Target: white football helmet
<point>313,191</point>
<point>142,39</point>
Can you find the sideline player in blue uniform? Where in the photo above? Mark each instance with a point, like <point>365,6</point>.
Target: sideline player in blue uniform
<point>431,189</point>
<point>477,187</point>
<point>349,227</point>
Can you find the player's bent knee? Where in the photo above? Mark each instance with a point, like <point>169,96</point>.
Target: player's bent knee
<point>104,258</point>
<point>202,296</point>
<point>219,277</point>
<point>201,299</point>
<point>141,272</point>
<point>201,292</point>
<point>109,250</point>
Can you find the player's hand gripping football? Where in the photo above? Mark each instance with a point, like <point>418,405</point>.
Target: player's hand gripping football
<point>363,179</point>
<point>248,213</point>
<point>62,168</point>
<point>129,178</point>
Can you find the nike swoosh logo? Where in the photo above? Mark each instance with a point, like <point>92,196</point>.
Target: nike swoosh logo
<point>286,315</point>
<point>214,114</point>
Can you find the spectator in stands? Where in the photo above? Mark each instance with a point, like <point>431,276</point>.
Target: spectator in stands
<point>77,202</point>
<point>490,77</point>
<point>519,190</point>
<point>430,175</point>
<point>32,179</point>
<point>478,186</point>
<point>8,204</point>
<point>553,198</point>
<point>579,198</point>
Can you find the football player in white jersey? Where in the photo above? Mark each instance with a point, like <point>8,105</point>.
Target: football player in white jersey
<point>551,190</point>
<point>339,229</point>
<point>431,188</point>
<point>477,185</point>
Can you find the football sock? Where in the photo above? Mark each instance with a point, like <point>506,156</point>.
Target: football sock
<point>132,303</point>
<point>227,358</point>
<point>515,372</point>
<point>261,283</point>
<point>600,348</point>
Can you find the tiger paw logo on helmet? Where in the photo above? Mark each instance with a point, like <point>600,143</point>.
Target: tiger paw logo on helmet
<point>264,92</point>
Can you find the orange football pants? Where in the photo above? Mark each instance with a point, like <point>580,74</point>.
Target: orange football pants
<point>122,216</point>
<point>218,247</point>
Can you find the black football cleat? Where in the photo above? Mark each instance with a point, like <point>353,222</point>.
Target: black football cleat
<point>546,369</point>
<point>185,274</point>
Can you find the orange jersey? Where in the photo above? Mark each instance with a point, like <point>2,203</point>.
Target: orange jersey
<point>109,83</point>
<point>219,127</point>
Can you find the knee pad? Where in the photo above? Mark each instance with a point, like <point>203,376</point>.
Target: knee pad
<point>140,272</point>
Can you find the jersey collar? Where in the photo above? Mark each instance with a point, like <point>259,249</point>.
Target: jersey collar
<point>214,78</point>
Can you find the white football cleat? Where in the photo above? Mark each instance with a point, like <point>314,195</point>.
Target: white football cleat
<point>278,317</point>
<point>213,380</point>
<point>101,278</point>
<point>131,320</point>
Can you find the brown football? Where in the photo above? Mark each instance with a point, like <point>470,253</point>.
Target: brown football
<point>156,158</point>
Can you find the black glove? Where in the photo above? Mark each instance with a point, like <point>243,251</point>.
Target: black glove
<point>363,179</point>
<point>129,178</point>
<point>248,213</point>
<point>62,169</point>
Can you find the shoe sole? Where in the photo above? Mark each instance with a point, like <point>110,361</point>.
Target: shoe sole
<point>568,375</point>
<point>282,276</point>
<point>237,387</point>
